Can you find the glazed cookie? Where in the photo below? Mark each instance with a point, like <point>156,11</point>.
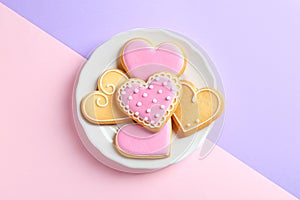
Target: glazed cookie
<point>197,109</point>
<point>98,107</point>
<point>140,58</point>
<point>150,103</point>
<point>134,141</point>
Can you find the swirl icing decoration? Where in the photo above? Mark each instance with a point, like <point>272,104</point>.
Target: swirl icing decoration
<point>99,107</point>
<point>98,101</point>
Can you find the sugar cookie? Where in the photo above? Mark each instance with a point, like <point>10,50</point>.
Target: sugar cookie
<point>98,107</point>
<point>140,58</point>
<point>134,141</point>
<point>150,103</point>
<point>197,109</point>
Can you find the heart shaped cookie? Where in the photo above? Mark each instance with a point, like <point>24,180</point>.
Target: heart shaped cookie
<point>197,109</point>
<point>140,58</point>
<point>150,103</point>
<point>134,141</point>
<point>98,107</point>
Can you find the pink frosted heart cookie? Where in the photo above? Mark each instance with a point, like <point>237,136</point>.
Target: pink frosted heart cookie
<point>140,58</point>
<point>134,141</point>
<point>150,103</point>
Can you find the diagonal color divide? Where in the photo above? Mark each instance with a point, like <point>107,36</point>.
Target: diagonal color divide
<point>42,156</point>
<point>255,45</point>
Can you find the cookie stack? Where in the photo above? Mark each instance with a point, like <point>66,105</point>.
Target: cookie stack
<point>146,99</point>
<point>149,96</point>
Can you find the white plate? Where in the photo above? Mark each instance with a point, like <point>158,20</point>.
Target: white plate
<point>99,139</point>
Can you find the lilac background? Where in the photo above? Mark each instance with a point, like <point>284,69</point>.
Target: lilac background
<point>255,45</point>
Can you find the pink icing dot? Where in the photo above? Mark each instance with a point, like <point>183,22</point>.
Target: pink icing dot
<point>150,87</point>
<point>139,104</point>
<point>148,110</point>
<point>154,100</point>
<point>162,107</point>
<point>159,91</point>
<point>168,98</point>
<point>145,94</point>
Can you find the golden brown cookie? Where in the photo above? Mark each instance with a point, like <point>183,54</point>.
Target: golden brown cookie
<point>197,109</point>
<point>99,107</point>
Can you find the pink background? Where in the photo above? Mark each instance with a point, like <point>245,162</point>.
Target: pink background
<point>43,158</point>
